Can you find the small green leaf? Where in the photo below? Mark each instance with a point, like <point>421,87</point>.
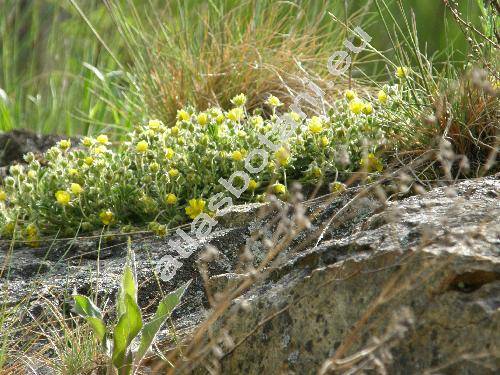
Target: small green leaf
<point>163,312</point>
<point>128,287</point>
<point>85,307</point>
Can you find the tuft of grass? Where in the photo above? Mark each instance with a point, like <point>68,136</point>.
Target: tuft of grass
<point>204,53</point>
<point>467,114</point>
<point>72,347</point>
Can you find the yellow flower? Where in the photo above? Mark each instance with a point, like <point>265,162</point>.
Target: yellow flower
<point>169,153</point>
<point>236,114</point>
<point>279,189</point>
<point>295,116</point>
<point>316,172</point>
<point>183,115</point>
<point>273,101</point>
<point>72,172</point>
<point>171,199</point>
<point>102,139</point>
<point>337,187</point>
<point>202,119</point>
<point>195,207</point>
<point>100,150</point>
<point>367,109</point>
<point>142,146</point>
<point>215,111</point>
<point>239,100</point>
<point>106,217</point>
<point>253,185</point>
<point>9,227</point>
<point>64,144</point>
<point>161,230</point>
<point>87,142</point>
<point>62,197</point>
<point>237,155</point>
<point>173,172</point>
<point>315,125</point>
<point>32,174</point>
<point>174,130</point>
<point>401,71</point>
<point>219,119</point>
<point>356,106</point>
<point>382,97</point>
<point>32,235</point>
<point>371,163</point>
<point>32,230</point>
<point>256,121</point>
<point>350,95</point>
<point>3,196</point>
<point>89,160</point>
<point>154,124</point>
<point>324,141</point>
<point>76,189</point>
<point>282,156</point>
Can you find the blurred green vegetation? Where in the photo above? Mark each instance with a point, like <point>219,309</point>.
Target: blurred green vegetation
<point>438,33</point>
<point>46,68</point>
<point>57,75</point>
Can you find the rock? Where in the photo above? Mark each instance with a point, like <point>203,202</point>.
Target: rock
<point>17,143</point>
<point>436,255</point>
<point>422,274</point>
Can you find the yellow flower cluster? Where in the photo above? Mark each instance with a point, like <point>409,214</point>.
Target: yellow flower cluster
<point>62,197</point>
<point>273,101</point>
<point>358,106</point>
<point>164,174</point>
<point>195,207</point>
<point>371,163</point>
<point>315,125</point>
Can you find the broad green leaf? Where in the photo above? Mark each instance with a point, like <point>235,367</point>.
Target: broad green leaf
<point>98,327</point>
<point>127,328</point>
<point>120,335</point>
<point>134,317</point>
<point>163,312</point>
<point>86,308</point>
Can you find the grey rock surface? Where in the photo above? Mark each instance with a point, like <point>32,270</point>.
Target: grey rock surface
<point>437,254</point>
<point>17,143</point>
